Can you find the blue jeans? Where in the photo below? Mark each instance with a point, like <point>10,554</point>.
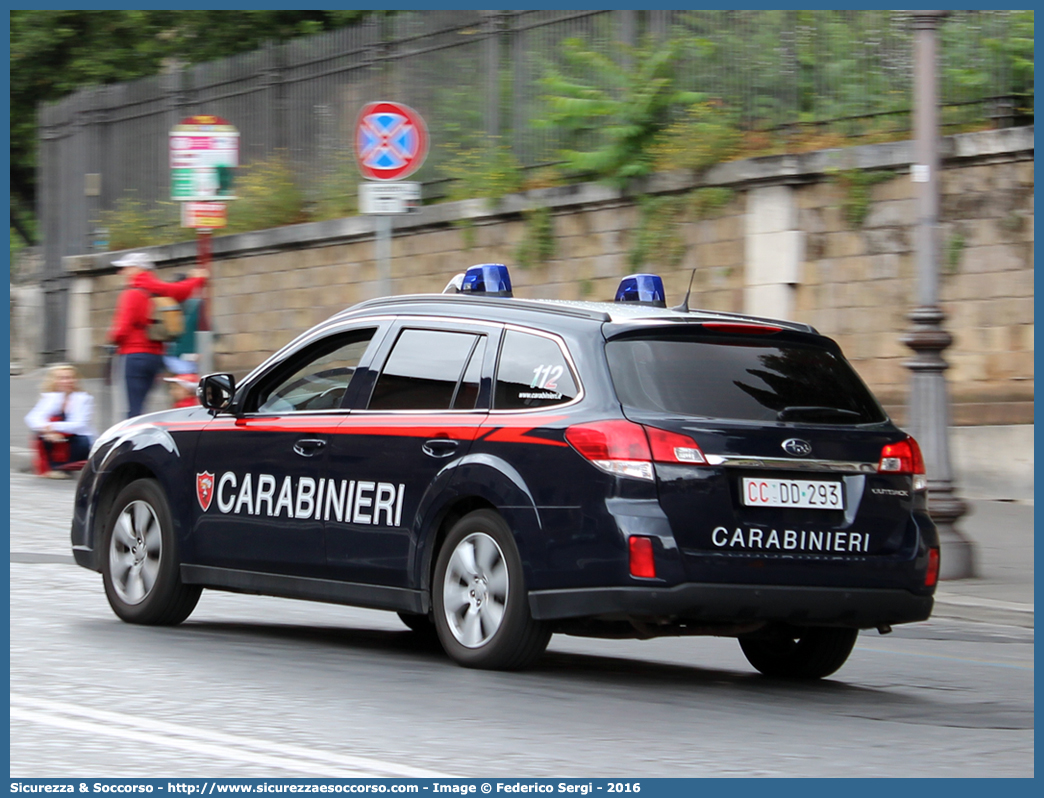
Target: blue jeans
<point>140,370</point>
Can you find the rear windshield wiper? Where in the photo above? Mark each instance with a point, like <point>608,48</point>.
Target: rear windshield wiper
<point>804,411</point>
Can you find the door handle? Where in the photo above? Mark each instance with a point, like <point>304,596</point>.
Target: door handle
<point>439,447</point>
<point>306,447</point>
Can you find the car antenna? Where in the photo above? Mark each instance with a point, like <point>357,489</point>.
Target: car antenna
<point>684,306</point>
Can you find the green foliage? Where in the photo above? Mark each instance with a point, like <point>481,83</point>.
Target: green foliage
<point>856,185</point>
<point>337,191</point>
<point>268,196</point>
<point>708,134</point>
<point>467,232</point>
<point>968,74</point>
<point>538,240</point>
<point>705,202</point>
<point>487,171</point>
<point>132,224</point>
<point>614,129</point>
<point>56,52</point>
<point>18,246</point>
<point>1017,50</point>
<point>954,250</point>
<point>657,238</point>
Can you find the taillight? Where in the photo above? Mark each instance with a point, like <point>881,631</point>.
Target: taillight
<point>642,562</point>
<point>617,447</point>
<point>627,449</point>
<point>904,457</point>
<point>671,447</point>
<point>931,576</point>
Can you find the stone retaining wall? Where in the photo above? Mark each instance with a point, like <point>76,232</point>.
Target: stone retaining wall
<point>782,246</point>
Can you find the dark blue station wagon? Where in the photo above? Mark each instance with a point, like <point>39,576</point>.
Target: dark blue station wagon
<point>496,470</point>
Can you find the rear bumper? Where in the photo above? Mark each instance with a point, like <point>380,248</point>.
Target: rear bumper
<point>717,603</point>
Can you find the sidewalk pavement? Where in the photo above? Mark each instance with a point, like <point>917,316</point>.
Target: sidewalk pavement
<point>1002,531</point>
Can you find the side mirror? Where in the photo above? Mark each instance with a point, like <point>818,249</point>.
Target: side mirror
<point>215,391</point>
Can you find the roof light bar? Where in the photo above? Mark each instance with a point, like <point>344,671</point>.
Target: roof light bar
<point>642,289</point>
<point>488,279</point>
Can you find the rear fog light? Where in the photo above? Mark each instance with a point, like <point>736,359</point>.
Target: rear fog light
<point>931,576</point>
<point>642,562</point>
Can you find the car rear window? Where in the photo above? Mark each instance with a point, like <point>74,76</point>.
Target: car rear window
<point>739,379</point>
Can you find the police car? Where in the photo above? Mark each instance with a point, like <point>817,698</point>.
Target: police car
<point>498,469</point>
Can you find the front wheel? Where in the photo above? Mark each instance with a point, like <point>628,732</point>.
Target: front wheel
<point>481,607</point>
<point>140,566</point>
<point>810,653</point>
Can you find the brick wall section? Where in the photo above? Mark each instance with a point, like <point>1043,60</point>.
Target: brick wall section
<point>856,285</point>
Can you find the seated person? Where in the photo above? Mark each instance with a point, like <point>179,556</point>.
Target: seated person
<point>61,423</point>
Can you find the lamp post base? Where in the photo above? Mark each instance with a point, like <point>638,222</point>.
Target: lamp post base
<point>929,423</point>
<point>957,553</point>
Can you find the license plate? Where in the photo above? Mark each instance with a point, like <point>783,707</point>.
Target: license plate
<point>804,493</point>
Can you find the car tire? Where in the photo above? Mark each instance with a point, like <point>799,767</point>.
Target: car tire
<point>140,566</point>
<point>810,653</point>
<point>479,594</point>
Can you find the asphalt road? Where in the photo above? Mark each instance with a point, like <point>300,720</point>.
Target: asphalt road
<point>254,686</point>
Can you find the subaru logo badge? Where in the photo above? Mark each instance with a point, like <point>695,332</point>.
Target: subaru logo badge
<point>797,447</point>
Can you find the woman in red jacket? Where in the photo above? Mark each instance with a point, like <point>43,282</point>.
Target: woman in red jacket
<point>143,357</point>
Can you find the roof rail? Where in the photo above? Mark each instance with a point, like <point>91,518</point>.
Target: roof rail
<point>489,301</point>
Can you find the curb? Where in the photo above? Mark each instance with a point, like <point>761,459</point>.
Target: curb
<point>953,606</point>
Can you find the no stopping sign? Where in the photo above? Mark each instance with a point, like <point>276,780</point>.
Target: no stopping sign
<point>391,141</point>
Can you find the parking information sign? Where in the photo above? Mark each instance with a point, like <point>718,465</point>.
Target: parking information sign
<point>204,215</point>
<point>391,141</point>
<point>203,152</point>
<point>389,197</point>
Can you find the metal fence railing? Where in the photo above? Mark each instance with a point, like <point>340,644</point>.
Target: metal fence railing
<point>472,74</point>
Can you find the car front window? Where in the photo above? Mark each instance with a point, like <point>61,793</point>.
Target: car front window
<point>321,382</point>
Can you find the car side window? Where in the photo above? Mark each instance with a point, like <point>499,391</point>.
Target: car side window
<point>423,370</point>
<point>533,372</point>
<point>321,382</point>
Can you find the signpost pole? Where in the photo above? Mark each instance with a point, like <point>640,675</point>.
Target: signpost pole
<point>204,336</point>
<point>204,150</point>
<point>391,142</point>
<point>383,229</point>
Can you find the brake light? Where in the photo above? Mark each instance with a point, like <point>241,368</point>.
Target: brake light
<point>671,447</point>
<point>904,457</point>
<point>618,447</point>
<point>931,576</point>
<point>743,329</point>
<point>642,562</point>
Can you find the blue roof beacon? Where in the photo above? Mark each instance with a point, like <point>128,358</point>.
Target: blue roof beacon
<point>642,289</point>
<point>487,279</point>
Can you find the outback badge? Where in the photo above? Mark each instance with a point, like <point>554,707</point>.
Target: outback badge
<point>797,447</point>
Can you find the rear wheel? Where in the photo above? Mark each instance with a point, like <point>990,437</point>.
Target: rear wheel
<point>481,608</point>
<point>810,653</point>
<point>140,566</point>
